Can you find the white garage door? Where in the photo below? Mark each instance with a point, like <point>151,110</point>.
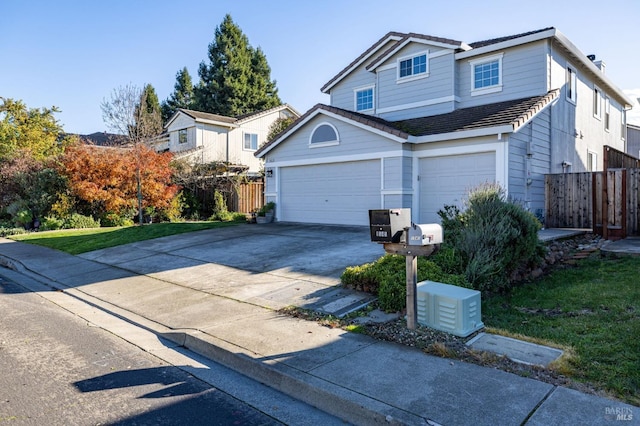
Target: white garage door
<point>447,180</point>
<point>340,193</point>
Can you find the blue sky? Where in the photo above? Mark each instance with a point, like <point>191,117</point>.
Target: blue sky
<point>72,54</point>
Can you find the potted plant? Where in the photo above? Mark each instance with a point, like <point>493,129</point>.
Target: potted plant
<point>266,213</point>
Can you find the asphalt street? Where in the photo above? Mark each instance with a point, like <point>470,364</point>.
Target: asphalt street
<point>59,368</point>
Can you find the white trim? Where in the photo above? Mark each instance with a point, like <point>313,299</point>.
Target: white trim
<point>501,150</point>
<point>348,71</point>
<point>607,113</point>
<point>597,114</point>
<point>324,143</point>
<point>434,43</point>
<point>486,89</point>
<point>428,102</point>
<point>506,44</point>
<point>339,159</point>
<point>321,111</point>
<point>594,155</point>
<point>413,76</point>
<point>487,131</point>
<point>571,84</point>
<point>373,98</point>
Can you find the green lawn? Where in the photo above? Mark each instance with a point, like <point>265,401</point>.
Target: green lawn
<point>593,309</point>
<point>76,241</point>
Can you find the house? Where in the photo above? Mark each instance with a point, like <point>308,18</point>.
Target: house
<point>416,121</point>
<point>205,138</point>
<point>633,140</point>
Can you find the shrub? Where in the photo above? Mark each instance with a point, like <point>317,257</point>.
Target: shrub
<point>51,223</point>
<point>114,219</point>
<point>220,211</point>
<point>173,213</point>
<point>386,278</point>
<point>4,232</point>
<point>77,221</point>
<point>493,236</point>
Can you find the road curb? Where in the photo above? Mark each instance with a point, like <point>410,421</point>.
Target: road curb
<point>351,406</point>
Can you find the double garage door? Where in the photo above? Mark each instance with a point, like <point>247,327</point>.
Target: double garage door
<point>343,193</point>
<point>336,193</point>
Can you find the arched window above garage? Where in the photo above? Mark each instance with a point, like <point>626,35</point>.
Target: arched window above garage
<point>324,134</point>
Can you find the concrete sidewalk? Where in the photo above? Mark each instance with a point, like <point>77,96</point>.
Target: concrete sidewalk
<point>187,292</point>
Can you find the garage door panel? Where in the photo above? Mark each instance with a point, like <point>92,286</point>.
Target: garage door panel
<point>447,180</point>
<point>338,193</point>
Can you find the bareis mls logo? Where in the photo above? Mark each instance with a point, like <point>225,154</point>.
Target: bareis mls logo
<point>618,413</point>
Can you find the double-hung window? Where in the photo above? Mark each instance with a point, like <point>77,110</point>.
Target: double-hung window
<point>607,113</point>
<point>597,103</point>
<point>415,66</point>
<point>486,75</point>
<point>250,141</point>
<point>364,99</point>
<point>572,85</point>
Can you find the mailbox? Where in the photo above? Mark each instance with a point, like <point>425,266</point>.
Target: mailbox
<point>425,235</point>
<point>387,225</point>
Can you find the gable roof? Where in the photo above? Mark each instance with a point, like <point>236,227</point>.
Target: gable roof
<point>507,116</point>
<point>223,120</point>
<point>464,50</point>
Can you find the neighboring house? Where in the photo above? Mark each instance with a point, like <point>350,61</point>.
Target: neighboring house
<point>633,140</point>
<point>204,138</point>
<point>416,121</point>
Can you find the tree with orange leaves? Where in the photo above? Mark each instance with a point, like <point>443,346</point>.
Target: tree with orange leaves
<point>106,177</point>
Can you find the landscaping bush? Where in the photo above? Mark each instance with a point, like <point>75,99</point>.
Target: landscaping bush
<point>494,238</point>
<point>4,232</point>
<point>386,278</point>
<point>113,219</point>
<point>77,221</point>
<point>51,223</point>
<point>173,213</point>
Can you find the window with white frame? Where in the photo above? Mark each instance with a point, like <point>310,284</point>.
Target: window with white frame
<point>413,66</point>
<point>597,102</point>
<point>572,85</point>
<point>607,113</point>
<point>364,99</point>
<point>592,161</point>
<point>182,136</point>
<point>486,75</point>
<point>250,141</point>
<point>324,134</point>
<point>623,125</point>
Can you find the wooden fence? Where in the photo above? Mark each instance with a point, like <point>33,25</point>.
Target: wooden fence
<point>608,202</point>
<point>248,197</point>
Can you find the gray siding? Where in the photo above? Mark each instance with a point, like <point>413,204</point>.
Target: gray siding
<point>530,159</point>
<point>524,71</point>
<point>353,141</point>
<point>400,95</point>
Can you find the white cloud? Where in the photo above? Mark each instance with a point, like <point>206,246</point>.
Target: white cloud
<point>633,116</point>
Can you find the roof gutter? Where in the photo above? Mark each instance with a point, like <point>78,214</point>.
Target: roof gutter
<point>462,134</point>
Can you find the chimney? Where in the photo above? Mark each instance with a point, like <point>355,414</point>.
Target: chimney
<point>600,64</point>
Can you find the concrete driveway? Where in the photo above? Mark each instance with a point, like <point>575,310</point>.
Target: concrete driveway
<point>273,265</point>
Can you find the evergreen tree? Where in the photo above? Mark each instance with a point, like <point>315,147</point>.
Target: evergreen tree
<point>182,96</point>
<point>150,117</point>
<point>237,79</point>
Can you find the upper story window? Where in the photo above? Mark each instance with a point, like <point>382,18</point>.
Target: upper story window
<point>486,75</point>
<point>607,113</point>
<point>623,126</point>
<point>250,141</point>
<point>324,134</point>
<point>572,85</point>
<point>182,136</point>
<point>364,99</point>
<point>411,67</point>
<point>597,103</point>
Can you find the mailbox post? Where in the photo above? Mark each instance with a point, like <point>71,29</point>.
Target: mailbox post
<point>400,236</point>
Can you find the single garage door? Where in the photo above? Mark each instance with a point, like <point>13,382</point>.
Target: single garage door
<point>337,193</point>
<point>447,180</point>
